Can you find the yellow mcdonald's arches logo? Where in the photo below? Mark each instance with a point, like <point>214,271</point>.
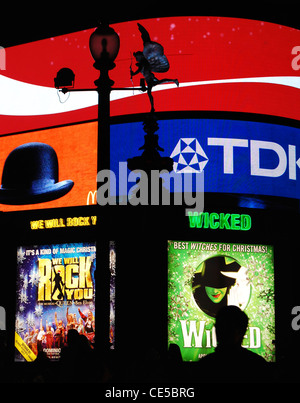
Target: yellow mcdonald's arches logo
<point>26,352</point>
<point>92,196</point>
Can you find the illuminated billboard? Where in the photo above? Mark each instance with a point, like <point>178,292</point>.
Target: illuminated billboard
<point>235,156</point>
<point>205,276</point>
<point>55,293</point>
<point>75,148</point>
<point>222,64</point>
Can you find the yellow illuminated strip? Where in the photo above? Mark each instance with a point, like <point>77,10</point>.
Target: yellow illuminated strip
<point>64,222</point>
<point>26,352</point>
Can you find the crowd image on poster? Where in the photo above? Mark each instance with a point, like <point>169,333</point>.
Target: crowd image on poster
<point>112,292</point>
<point>205,276</point>
<point>55,293</point>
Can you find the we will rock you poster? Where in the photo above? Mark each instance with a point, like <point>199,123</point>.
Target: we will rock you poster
<point>55,293</point>
<point>205,276</point>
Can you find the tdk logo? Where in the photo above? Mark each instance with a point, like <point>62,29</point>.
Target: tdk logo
<point>189,156</point>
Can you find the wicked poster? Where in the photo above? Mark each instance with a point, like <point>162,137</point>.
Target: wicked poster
<point>205,276</point>
<point>55,293</point>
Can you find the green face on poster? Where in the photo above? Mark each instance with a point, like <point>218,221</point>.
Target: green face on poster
<point>205,276</point>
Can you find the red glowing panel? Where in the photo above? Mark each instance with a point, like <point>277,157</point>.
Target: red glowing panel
<point>222,64</point>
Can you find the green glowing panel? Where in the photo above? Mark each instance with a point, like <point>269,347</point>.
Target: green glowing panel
<point>203,277</point>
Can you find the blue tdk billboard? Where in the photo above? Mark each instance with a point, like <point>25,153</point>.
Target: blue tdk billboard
<point>234,156</point>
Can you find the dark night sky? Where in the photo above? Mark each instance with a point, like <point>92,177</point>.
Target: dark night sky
<point>26,23</point>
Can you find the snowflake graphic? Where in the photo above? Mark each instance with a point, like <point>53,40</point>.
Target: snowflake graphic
<point>23,297</point>
<point>173,335</point>
<point>38,311</point>
<point>179,306</point>
<point>25,282</point>
<point>188,272</point>
<point>34,277</point>
<point>30,320</point>
<point>20,256</point>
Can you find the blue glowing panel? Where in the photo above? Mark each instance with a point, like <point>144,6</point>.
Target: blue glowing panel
<point>235,156</point>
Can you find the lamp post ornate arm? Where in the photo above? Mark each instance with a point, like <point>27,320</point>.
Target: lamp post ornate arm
<point>104,47</point>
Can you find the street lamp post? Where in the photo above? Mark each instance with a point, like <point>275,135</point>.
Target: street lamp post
<point>104,47</point>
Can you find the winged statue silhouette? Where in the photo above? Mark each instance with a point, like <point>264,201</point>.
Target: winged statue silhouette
<point>151,60</point>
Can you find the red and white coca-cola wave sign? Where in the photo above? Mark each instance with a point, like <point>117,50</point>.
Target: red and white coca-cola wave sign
<point>222,64</point>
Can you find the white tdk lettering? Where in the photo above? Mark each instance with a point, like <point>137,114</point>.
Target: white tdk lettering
<point>228,145</point>
<point>255,147</point>
<point>285,159</point>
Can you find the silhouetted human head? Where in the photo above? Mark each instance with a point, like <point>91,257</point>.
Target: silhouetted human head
<point>72,337</point>
<point>231,326</point>
<point>174,353</point>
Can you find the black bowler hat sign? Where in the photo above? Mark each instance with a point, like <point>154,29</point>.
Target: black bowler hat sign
<point>30,175</point>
